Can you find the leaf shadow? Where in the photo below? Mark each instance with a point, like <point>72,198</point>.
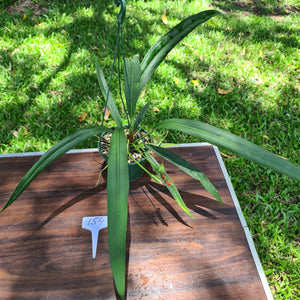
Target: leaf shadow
<point>82,196</point>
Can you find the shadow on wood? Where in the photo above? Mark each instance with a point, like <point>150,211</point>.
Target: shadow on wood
<point>45,254</point>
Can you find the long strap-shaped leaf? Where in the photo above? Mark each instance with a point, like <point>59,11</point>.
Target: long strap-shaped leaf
<point>233,143</point>
<point>117,206</point>
<point>132,81</point>
<point>106,93</point>
<point>164,45</point>
<point>52,154</point>
<point>186,167</point>
<point>169,184</point>
<point>140,116</point>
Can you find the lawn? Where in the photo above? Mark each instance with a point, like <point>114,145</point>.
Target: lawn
<point>240,72</point>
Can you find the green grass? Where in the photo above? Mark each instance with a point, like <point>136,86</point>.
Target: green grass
<point>48,80</point>
<point>5,2</point>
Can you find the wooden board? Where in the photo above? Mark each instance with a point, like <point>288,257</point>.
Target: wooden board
<point>45,254</point>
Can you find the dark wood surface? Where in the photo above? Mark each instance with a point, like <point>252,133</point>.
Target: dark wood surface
<point>44,253</point>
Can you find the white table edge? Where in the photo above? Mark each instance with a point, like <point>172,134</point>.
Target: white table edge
<point>231,190</point>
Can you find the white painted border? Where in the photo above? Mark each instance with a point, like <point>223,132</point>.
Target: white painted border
<point>41,153</point>
<point>231,190</point>
<point>236,203</point>
<point>92,150</point>
<point>257,262</point>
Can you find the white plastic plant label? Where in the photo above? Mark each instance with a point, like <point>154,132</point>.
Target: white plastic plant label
<point>94,224</point>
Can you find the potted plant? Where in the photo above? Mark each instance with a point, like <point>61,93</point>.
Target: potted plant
<point>127,137</point>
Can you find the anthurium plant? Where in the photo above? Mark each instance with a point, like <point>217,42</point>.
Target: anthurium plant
<point>127,125</point>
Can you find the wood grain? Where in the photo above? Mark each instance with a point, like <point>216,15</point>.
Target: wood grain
<point>44,253</point>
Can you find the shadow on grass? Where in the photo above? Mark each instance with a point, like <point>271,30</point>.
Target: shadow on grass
<point>255,7</point>
<point>238,112</point>
<point>260,30</point>
<point>94,35</point>
<point>62,113</point>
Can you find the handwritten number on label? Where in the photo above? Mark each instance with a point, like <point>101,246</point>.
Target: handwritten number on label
<point>94,224</point>
<point>94,220</point>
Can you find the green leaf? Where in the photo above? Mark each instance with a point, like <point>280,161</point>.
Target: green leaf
<point>110,101</point>
<point>132,81</point>
<point>161,167</point>
<point>117,206</point>
<point>164,45</point>
<point>234,144</point>
<point>52,154</point>
<point>186,167</point>
<point>140,117</point>
<point>169,184</point>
